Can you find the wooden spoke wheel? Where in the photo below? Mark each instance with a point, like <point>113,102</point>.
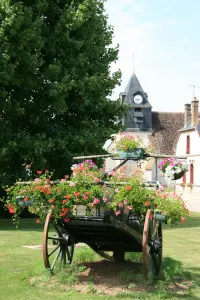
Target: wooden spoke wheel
<point>58,248</point>
<point>152,247</point>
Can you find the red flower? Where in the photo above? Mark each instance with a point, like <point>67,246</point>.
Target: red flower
<point>68,196</point>
<point>182,220</point>
<point>39,172</point>
<point>85,197</point>
<point>67,220</point>
<point>87,193</point>
<point>46,171</point>
<point>51,200</point>
<point>64,201</point>
<point>11,209</point>
<point>147,203</point>
<point>77,194</point>
<point>26,199</point>
<point>128,188</point>
<point>37,221</point>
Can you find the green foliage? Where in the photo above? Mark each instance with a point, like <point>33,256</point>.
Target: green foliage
<point>55,80</point>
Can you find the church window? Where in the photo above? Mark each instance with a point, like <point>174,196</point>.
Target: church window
<point>137,109</point>
<point>138,119</point>
<point>188,145</point>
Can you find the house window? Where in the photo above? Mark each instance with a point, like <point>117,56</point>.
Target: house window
<point>184,178</point>
<point>188,145</point>
<point>137,109</point>
<point>191,174</point>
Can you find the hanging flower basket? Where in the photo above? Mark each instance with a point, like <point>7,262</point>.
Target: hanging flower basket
<point>136,153</point>
<point>172,168</point>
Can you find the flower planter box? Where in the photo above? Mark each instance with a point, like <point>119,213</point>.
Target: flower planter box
<point>22,203</point>
<point>136,153</point>
<point>160,217</point>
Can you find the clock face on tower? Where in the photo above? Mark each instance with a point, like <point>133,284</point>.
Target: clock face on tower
<point>137,99</point>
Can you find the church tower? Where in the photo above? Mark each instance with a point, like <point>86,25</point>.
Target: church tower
<point>139,117</point>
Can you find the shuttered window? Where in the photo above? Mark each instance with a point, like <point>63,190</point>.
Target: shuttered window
<point>188,145</point>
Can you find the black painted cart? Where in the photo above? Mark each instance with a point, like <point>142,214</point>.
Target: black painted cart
<point>106,233</point>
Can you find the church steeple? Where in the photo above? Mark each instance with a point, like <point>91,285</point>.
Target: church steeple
<point>139,117</point>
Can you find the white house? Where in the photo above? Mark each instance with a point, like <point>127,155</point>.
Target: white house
<point>189,144</point>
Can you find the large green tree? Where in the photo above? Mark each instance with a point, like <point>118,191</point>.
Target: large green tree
<point>55,83</point>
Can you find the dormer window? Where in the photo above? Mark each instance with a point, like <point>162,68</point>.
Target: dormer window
<point>188,145</point>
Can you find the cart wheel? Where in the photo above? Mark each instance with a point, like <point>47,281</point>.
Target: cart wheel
<point>56,244</point>
<point>152,247</point>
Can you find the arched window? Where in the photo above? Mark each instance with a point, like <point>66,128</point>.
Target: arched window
<point>191,174</point>
<point>188,145</point>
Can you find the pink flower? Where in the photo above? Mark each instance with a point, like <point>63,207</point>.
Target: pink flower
<point>104,199</point>
<point>37,179</point>
<point>39,172</point>
<point>125,202</point>
<point>118,212</point>
<point>66,176</point>
<point>129,207</point>
<point>63,180</point>
<point>37,221</point>
<point>96,201</point>
<point>72,184</point>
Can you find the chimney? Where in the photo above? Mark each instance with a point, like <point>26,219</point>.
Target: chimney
<point>195,111</point>
<point>187,114</point>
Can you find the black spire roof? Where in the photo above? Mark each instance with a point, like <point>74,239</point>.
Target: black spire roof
<point>134,87</point>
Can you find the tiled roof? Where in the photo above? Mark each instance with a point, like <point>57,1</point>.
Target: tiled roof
<point>166,126</point>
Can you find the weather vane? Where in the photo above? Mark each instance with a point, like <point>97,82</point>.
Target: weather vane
<point>194,87</point>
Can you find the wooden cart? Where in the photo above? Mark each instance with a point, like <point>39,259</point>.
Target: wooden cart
<point>108,235</point>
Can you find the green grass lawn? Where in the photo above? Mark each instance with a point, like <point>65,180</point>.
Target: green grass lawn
<point>20,264</point>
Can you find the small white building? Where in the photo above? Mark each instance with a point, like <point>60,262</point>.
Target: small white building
<point>189,144</point>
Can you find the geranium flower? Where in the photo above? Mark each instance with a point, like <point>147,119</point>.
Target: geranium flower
<point>39,172</point>
<point>64,201</point>
<point>77,194</point>
<point>96,201</point>
<point>68,196</point>
<point>26,199</point>
<point>182,220</point>
<point>128,188</point>
<point>147,203</point>
<point>117,212</point>
<point>51,200</point>
<point>85,197</point>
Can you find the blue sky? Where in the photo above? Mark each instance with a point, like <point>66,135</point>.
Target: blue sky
<point>164,37</point>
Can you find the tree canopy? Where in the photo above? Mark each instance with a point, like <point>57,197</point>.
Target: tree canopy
<point>55,83</point>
